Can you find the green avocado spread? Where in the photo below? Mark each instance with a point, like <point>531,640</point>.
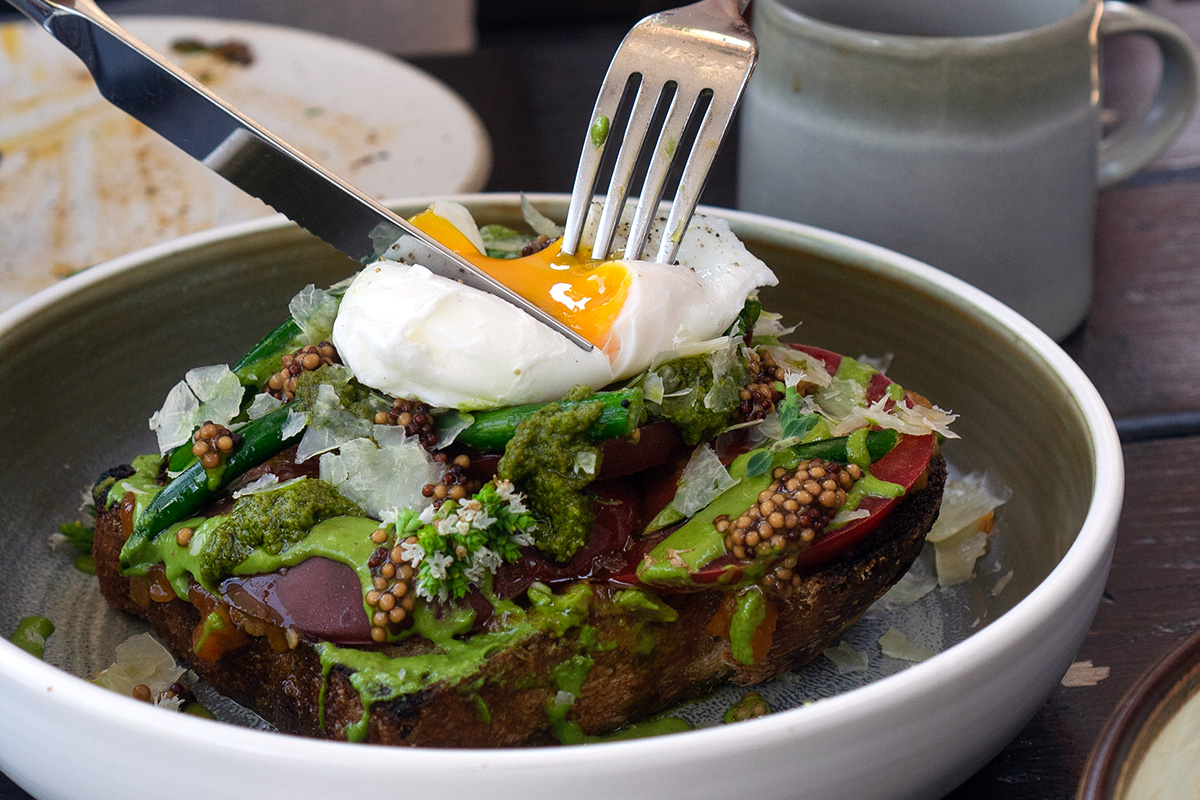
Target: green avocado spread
<point>271,521</point>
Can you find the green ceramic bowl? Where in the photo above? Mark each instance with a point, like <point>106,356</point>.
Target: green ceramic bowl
<point>86,362</point>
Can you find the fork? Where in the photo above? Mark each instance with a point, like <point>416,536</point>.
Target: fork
<point>700,52</point>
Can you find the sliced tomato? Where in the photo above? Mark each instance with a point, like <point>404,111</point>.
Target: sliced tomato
<point>905,465</point>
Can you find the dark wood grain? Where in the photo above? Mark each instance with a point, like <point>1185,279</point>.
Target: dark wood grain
<point>1140,342</point>
<point>1152,601</point>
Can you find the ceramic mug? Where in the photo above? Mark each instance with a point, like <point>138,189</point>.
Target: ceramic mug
<point>964,133</point>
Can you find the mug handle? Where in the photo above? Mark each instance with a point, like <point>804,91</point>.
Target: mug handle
<point>1137,141</point>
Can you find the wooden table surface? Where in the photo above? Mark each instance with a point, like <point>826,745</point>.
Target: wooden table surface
<point>534,87</point>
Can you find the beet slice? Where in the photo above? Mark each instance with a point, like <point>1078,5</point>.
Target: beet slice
<point>317,596</point>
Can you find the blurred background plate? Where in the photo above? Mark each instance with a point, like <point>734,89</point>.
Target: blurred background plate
<point>1150,748</point>
<point>81,182</point>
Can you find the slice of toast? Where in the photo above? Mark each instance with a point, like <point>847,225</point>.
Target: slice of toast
<point>633,662</point>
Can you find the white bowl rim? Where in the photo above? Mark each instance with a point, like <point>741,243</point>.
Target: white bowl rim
<point>1090,549</point>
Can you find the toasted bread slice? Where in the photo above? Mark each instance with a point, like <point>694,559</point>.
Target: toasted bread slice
<point>647,665</point>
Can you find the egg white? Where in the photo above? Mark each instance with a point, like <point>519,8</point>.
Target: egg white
<point>413,334</point>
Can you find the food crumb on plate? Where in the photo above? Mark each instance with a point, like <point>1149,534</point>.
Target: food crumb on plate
<point>1083,673</point>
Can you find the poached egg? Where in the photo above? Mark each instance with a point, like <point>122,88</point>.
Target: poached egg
<point>413,334</point>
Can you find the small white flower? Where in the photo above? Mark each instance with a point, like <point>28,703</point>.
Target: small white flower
<point>438,562</point>
<point>413,553</point>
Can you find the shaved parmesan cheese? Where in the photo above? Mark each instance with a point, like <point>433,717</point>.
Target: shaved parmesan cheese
<point>539,222</point>
<point>916,583</point>
<point>314,311</point>
<point>262,404</point>
<point>1002,583</point>
<point>294,423</point>
<point>901,417</point>
<point>256,486</point>
<point>451,425</point>
<point>769,327</point>
<point>965,501</point>
<point>458,216</point>
<point>846,658</point>
<point>141,660</point>
<point>845,517</point>
<point>896,645</point>
<point>329,425</point>
<point>205,394</point>
<point>703,480</point>
<point>800,366</point>
<point>840,400</point>
<point>385,476</point>
<point>960,534</point>
<point>956,556</point>
<point>652,388</point>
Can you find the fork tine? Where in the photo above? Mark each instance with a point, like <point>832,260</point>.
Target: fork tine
<point>656,175</point>
<point>594,142</point>
<point>636,131</point>
<point>695,173</point>
<point>711,42</point>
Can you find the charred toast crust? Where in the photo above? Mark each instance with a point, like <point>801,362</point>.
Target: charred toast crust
<point>505,702</point>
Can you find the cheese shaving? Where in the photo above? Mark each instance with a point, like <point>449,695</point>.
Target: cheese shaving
<point>895,644</point>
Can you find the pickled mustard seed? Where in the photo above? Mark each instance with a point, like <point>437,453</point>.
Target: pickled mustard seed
<point>389,596</point>
<point>282,384</point>
<point>416,418</point>
<point>212,444</point>
<point>787,516</point>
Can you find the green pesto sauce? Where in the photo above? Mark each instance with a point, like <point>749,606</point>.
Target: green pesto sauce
<point>870,485</point>
<point>342,539</point>
<point>569,677</point>
<point>698,402</point>
<point>856,449</point>
<point>748,615</point>
<point>643,606</point>
<point>213,623</point>
<point>378,677</point>
<point>599,131</point>
<point>270,521</point>
<point>852,370</point>
<point>553,460</point>
<point>352,395</point>
<point>642,730</point>
<point>750,706</point>
<point>143,483</point>
<point>31,635</point>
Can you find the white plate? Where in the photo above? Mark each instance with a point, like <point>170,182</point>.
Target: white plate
<point>81,182</point>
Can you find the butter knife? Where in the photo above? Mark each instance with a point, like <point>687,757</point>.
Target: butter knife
<point>164,98</point>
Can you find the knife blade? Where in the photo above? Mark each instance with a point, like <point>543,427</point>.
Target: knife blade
<point>164,98</point>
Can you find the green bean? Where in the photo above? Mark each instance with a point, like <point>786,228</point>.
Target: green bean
<point>491,430</point>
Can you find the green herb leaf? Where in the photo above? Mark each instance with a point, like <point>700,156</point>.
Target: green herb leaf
<point>79,535</point>
<point>797,428</point>
<point>759,462</point>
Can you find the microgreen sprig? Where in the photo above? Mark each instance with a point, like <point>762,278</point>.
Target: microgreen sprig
<point>465,540</point>
<point>796,424</point>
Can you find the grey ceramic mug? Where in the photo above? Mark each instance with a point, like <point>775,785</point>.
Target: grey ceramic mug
<point>965,133</point>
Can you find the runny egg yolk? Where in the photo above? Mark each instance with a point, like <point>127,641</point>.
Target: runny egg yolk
<point>583,293</point>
